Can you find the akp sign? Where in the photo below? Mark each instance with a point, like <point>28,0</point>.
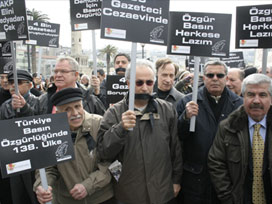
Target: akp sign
<point>85,15</point>
<point>199,34</point>
<point>254,26</point>
<point>13,21</point>
<point>23,141</point>
<point>124,20</point>
<point>43,34</point>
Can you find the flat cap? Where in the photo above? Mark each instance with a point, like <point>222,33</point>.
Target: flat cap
<point>21,75</point>
<point>66,95</point>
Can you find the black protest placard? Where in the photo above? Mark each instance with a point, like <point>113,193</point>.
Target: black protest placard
<point>191,63</point>
<point>13,21</point>
<point>235,60</point>
<point>6,65</point>
<point>199,34</point>
<point>254,26</point>
<point>36,142</point>
<point>116,88</point>
<point>43,34</point>
<point>143,21</point>
<point>85,15</point>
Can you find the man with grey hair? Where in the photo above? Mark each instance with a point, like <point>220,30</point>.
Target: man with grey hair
<point>240,158</point>
<point>66,73</point>
<point>144,141</point>
<point>214,103</point>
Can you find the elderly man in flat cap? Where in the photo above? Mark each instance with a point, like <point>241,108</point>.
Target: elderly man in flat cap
<point>21,185</point>
<point>85,179</point>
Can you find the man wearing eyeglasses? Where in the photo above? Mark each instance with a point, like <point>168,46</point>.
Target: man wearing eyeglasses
<point>214,103</point>
<point>21,185</point>
<point>144,141</point>
<point>65,76</point>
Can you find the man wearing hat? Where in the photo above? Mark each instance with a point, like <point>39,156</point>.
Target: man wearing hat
<point>85,179</point>
<point>27,103</point>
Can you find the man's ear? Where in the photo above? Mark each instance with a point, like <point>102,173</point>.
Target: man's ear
<point>128,83</point>
<point>76,74</point>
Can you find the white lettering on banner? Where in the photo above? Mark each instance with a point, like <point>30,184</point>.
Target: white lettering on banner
<point>142,8</point>
<point>7,11</point>
<point>6,3</point>
<point>256,11</point>
<point>118,86</point>
<point>264,26</point>
<point>256,19</point>
<point>197,34</point>
<point>116,93</point>
<point>147,12</point>
<point>12,19</point>
<point>33,121</point>
<point>205,19</point>
<point>35,130</point>
<point>197,27</point>
<point>85,1</point>
<point>33,138</point>
<point>196,42</point>
<point>260,34</point>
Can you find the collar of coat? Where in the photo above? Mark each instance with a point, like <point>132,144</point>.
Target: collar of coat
<point>238,119</point>
<point>91,124</point>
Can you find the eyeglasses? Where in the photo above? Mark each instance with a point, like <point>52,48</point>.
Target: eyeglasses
<point>147,82</point>
<point>211,75</point>
<point>62,71</point>
<point>20,82</point>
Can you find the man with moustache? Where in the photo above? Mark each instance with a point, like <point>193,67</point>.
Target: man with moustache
<point>145,142</point>
<point>121,63</point>
<point>85,179</point>
<point>214,103</point>
<point>27,103</point>
<point>240,158</point>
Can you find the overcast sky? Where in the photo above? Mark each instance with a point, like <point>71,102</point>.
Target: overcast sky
<point>58,12</point>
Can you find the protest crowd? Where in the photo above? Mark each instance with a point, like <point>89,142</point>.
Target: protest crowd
<point>159,159</point>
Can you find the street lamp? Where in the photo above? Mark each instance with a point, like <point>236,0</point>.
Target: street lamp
<point>142,44</point>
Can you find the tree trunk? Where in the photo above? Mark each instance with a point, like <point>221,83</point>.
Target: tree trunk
<point>33,59</point>
<point>108,64</point>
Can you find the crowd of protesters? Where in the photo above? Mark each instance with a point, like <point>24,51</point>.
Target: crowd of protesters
<point>158,159</point>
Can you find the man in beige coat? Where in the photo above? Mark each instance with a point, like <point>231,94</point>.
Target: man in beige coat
<point>85,179</point>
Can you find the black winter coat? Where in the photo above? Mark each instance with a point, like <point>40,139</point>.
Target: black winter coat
<point>195,180</point>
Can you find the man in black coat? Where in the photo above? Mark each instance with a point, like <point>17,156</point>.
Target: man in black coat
<point>214,103</point>
<point>5,193</point>
<point>21,185</point>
